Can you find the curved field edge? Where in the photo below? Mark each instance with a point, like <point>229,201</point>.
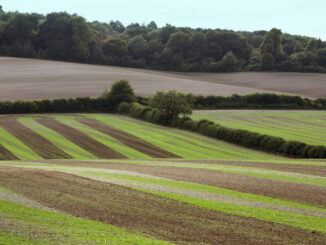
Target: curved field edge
<point>34,226</point>
<point>306,126</point>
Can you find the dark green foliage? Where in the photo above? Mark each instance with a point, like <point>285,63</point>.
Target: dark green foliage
<point>271,49</point>
<point>121,91</point>
<point>258,101</point>
<point>173,104</point>
<point>68,37</point>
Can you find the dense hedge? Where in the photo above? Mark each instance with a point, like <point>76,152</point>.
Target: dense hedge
<point>85,104</point>
<point>245,138</point>
<point>252,101</point>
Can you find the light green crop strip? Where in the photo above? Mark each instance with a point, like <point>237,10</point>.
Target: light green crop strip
<point>18,148</point>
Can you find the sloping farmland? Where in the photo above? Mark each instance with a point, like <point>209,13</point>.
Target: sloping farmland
<point>173,201</point>
<point>107,136</point>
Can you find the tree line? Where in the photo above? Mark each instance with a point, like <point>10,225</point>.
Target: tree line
<point>66,37</point>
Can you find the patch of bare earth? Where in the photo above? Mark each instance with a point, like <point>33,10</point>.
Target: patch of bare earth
<point>6,154</point>
<point>36,142</point>
<point>156,216</point>
<point>303,193</point>
<point>82,140</point>
<point>128,139</point>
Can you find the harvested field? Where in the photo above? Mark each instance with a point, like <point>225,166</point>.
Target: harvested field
<point>150,214</point>
<point>305,126</point>
<point>40,79</point>
<point>105,136</point>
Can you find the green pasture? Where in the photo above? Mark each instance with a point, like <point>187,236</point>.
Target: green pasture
<point>305,126</point>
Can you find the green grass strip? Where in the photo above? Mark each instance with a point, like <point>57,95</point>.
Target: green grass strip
<point>18,148</point>
<point>48,228</point>
<point>67,146</point>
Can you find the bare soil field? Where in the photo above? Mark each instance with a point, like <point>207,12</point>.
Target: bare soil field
<point>42,79</point>
<point>305,84</point>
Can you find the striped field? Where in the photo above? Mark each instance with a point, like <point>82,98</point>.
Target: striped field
<point>109,179</point>
<point>105,136</point>
<point>304,126</point>
<point>163,201</point>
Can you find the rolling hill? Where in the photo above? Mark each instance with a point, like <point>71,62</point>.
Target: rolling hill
<point>163,202</point>
<point>304,126</point>
<point>105,136</point>
<point>42,79</point>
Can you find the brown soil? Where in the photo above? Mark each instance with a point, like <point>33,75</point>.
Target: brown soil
<point>42,79</point>
<point>303,193</point>
<point>158,217</point>
<point>6,155</point>
<point>305,84</point>
<point>128,139</point>
<point>302,169</point>
<point>36,142</point>
<point>84,141</point>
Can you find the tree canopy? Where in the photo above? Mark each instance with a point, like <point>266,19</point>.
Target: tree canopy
<point>173,104</point>
<point>67,37</point>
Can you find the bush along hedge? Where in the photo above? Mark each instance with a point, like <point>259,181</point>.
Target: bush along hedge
<point>241,137</point>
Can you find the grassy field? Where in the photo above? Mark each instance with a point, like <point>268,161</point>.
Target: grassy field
<point>157,201</point>
<point>305,126</point>
<point>19,78</point>
<point>105,136</point>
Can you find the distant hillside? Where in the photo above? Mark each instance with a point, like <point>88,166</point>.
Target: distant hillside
<point>61,36</point>
<point>40,79</point>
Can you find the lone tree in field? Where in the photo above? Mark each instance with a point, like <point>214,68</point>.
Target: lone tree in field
<point>173,104</point>
<point>121,91</point>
